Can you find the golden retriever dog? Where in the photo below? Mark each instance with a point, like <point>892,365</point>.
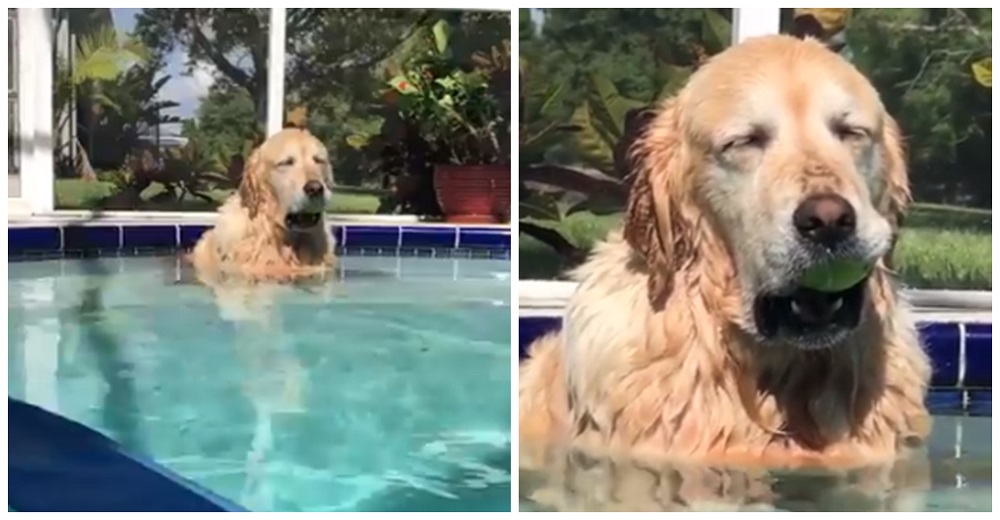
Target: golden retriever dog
<point>273,228</point>
<point>689,339</point>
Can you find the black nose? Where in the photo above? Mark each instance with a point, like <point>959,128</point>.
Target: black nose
<point>313,188</point>
<point>825,219</point>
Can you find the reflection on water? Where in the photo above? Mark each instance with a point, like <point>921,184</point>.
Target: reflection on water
<point>933,480</point>
<point>285,399</point>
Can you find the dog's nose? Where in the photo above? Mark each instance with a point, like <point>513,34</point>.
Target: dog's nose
<point>313,188</point>
<point>825,219</point>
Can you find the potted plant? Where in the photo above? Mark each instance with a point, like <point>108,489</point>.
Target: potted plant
<point>465,124</point>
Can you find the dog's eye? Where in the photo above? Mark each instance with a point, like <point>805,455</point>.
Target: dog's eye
<point>320,160</point>
<point>288,161</point>
<point>755,139</point>
<point>846,132</point>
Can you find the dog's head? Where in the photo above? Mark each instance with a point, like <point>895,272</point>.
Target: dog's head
<point>288,178</point>
<point>776,156</point>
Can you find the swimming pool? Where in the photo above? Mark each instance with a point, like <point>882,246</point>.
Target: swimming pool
<point>388,392</point>
<point>955,474</point>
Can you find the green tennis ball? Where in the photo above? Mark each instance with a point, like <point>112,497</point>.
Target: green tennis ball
<point>835,276</point>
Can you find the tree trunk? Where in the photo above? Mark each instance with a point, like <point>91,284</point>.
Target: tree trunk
<point>83,167</point>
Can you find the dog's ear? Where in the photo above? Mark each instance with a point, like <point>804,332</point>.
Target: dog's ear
<point>896,195</point>
<point>655,226</point>
<point>897,189</point>
<point>251,183</point>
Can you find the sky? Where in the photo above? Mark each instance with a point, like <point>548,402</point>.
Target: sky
<point>183,88</point>
<point>538,17</point>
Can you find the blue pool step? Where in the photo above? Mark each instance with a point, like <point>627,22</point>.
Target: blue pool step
<point>57,465</point>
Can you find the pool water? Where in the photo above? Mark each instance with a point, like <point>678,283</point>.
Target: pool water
<point>387,390</point>
<point>954,474</point>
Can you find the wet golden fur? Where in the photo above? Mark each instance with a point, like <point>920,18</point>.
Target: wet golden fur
<point>251,242</point>
<point>654,361</point>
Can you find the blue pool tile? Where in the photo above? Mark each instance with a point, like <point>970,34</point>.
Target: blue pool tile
<point>372,236</point>
<point>432,241</point>
<point>483,238</point>
<point>944,401</point>
<point>530,329</point>
<point>190,235</point>
<point>978,355</point>
<point>33,239</point>
<point>149,236</point>
<point>338,234</point>
<point>981,403</point>
<point>942,341</point>
<point>500,254</point>
<point>437,237</point>
<point>92,238</point>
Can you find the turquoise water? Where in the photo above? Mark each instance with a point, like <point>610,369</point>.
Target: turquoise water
<point>387,391</point>
<point>953,474</point>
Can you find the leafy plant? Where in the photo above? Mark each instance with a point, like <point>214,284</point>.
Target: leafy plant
<point>454,109</point>
<point>99,58</point>
<point>443,104</point>
<point>599,132</point>
<point>982,70</point>
<point>133,116</point>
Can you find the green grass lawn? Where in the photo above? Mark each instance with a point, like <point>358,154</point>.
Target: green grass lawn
<point>942,247</point>
<point>77,194</point>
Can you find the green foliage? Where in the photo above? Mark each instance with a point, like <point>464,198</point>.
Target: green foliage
<point>982,70</point>
<point>631,48</point>
<point>337,63</point>
<point>574,161</point>
<point>224,126</point>
<point>104,54</point>
<point>927,258</point>
<point>601,118</point>
<point>76,194</point>
<point>336,60</point>
<point>100,59</point>
<point>541,129</point>
<point>452,108</point>
<point>134,112</point>
<point>920,60</point>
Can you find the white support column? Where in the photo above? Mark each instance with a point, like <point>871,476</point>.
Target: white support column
<point>276,71</point>
<point>35,48</point>
<point>749,22</point>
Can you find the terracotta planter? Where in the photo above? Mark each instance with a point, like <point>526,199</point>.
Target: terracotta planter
<point>473,194</point>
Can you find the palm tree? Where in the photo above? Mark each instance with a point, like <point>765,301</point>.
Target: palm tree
<point>100,56</point>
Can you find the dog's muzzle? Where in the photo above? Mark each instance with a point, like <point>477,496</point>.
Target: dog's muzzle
<point>304,220</point>
<point>808,318</point>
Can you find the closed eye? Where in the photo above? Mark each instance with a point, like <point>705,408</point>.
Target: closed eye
<point>288,161</point>
<point>846,131</point>
<point>320,159</point>
<point>757,138</point>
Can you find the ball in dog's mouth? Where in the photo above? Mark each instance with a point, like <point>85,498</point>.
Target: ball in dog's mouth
<point>303,220</point>
<point>809,318</point>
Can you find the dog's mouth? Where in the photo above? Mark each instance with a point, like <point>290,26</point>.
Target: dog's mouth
<point>303,220</point>
<point>808,318</point>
